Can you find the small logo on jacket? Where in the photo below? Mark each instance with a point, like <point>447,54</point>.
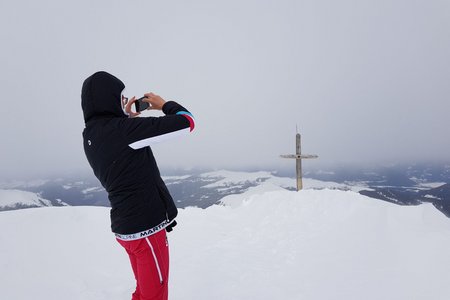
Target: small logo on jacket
<point>89,142</point>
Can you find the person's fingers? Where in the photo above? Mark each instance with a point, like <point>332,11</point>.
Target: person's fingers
<point>131,101</point>
<point>129,104</point>
<point>149,99</point>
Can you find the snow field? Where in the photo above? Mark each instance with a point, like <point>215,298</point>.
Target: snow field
<point>267,243</point>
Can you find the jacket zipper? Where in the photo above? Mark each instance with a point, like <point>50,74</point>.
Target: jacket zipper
<point>156,260</point>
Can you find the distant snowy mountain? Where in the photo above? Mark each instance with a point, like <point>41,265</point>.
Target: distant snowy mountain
<point>439,196</point>
<point>200,190</point>
<point>209,188</point>
<point>16,199</point>
<point>267,243</point>
<point>401,185</point>
<point>388,175</point>
<point>73,191</point>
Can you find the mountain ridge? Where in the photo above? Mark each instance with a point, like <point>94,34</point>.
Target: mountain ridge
<point>208,188</point>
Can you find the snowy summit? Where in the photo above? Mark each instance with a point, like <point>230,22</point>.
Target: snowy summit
<point>267,243</point>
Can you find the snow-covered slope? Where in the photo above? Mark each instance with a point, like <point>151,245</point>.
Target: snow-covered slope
<point>223,180</point>
<point>14,199</point>
<point>267,243</point>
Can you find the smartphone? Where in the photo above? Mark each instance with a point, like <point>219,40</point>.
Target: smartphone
<point>141,105</point>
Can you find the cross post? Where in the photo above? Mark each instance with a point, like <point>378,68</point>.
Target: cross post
<point>298,156</point>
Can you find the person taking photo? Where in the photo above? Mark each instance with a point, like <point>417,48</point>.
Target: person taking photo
<point>116,143</point>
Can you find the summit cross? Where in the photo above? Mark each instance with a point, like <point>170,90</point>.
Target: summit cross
<point>298,156</point>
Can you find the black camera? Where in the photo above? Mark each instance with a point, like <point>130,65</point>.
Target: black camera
<point>141,105</point>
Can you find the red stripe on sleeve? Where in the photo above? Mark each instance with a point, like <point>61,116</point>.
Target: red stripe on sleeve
<point>191,122</point>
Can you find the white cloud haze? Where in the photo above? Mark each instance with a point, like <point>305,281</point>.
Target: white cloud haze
<point>366,81</point>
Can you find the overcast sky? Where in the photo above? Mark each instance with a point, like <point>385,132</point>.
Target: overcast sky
<point>365,81</point>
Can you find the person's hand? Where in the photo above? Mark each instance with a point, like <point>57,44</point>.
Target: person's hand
<point>155,101</point>
<point>130,113</point>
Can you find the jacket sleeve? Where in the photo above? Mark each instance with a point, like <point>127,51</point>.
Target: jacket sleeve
<point>143,132</point>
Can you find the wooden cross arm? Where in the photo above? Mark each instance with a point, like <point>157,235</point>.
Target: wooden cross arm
<point>299,156</point>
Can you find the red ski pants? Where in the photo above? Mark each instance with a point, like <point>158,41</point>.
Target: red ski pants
<point>149,259</point>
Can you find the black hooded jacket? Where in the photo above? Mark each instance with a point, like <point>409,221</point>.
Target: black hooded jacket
<point>117,148</point>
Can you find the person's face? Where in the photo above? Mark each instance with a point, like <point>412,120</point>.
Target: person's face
<point>124,101</point>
